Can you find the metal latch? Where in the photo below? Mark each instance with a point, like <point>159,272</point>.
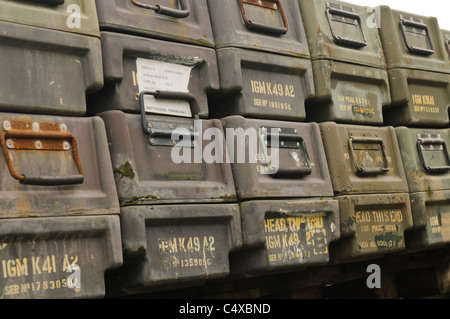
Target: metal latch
<point>433,143</point>
<point>416,27</point>
<point>344,14</point>
<point>260,27</point>
<point>373,144</point>
<point>170,134</point>
<point>40,136</point>
<point>288,139</point>
<point>184,12</point>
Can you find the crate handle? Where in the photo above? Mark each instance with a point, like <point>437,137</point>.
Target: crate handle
<point>259,27</point>
<point>346,41</point>
<point>184,12</point>
<point>42,180</point>
<point>51,2</point>
<point>369,171</point>
<point>169,95</point>
<point>299,143</point>
<point>409,23</point>
<point>433,169</point>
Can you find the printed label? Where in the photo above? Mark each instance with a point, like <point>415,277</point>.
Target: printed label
<point>424,104</point>
<point>296,239</point>
<point>271,91</point>
<point>357,106</point>
<point>379,230</point>
<point>439,227</point>
<point>155,75</point>
<point>187,252</point>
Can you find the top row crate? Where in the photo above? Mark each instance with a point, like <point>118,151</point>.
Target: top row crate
<point>385,58</point>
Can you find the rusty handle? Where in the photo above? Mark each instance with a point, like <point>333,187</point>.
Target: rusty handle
<point>184,12</point>
<point>256,26</point>
<point>43,180</point>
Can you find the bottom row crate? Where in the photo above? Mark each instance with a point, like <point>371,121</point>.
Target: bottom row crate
<point>158,248</point>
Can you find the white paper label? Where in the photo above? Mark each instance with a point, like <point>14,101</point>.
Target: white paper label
<point>157,75</point>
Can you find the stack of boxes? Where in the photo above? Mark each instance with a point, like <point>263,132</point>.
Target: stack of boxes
<point>165,145</point>
<point>179,214</point>
<point>282,180</point>
<point>59,226</point>
<point>419,74</point>
<point>364,160</point>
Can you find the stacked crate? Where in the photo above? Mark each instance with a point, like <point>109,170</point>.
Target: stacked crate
<point>419,75</point>
<point>280,172</point>
<point>352,91</point>
<point>59,226</point>
<point>179,214</point>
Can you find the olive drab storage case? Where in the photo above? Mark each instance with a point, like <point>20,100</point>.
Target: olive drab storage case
<point>372,226</point>
<point>162,159</point>
<point>59,208</point>
<point>369,182</point>
<point>184,21</point>
<point>276,159</point>
<point>47,71</point>
<point>58,257</point>
<point>134,64</point>
<point>427,166</point>
<point>268,25</point>
<point>351,80</point>
<point>175,246</point>
<point>282,236</point>
<point>261,85</point>
<point>369,160</point>
<point>73,16</point>
<point>418,66</point>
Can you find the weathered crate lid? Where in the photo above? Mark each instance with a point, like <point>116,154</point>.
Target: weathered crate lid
<point>268,25</point>
<point>55,166</point>
<point>412,41</point>
<point>276,159</point>
<point>340,31</point>
<point>363,159</point>
<point>133,64</point>
<point>183,21</point>
<point>153,164</point>
<point>75,16</point>
<point>425,157</point>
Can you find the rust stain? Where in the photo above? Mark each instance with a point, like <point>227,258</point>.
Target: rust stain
<point>23,135</point>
